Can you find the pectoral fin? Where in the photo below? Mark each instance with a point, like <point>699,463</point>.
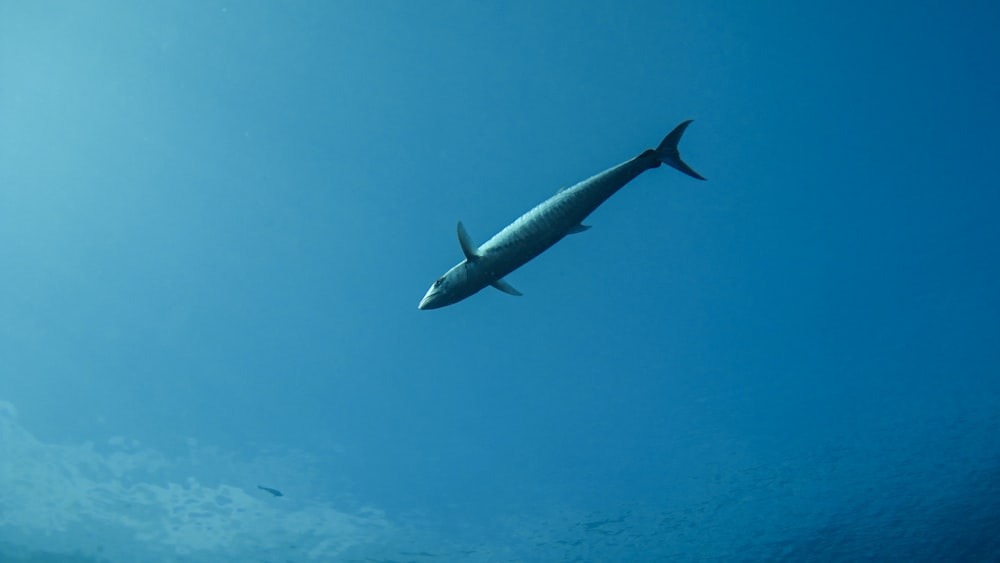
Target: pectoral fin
<point>506,287</point>
<point>579,229</point>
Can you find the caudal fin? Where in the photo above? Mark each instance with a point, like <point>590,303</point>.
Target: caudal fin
<point>667,152</point>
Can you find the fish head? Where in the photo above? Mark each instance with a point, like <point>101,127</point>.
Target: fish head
<point>455,285</point>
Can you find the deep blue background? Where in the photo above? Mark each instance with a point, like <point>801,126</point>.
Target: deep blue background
<point>216,221</point>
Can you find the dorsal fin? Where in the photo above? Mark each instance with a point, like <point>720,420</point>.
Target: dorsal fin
<point>469,248</point>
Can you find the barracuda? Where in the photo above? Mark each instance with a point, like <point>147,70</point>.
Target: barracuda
<point>546,224</point>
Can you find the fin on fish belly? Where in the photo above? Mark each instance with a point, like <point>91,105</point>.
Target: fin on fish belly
<point>506,287</point>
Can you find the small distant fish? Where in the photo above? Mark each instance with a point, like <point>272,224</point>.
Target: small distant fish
<point>274,492</point>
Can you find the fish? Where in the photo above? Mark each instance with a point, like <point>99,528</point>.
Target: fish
<point>274,492</point>
<point>543,226</point>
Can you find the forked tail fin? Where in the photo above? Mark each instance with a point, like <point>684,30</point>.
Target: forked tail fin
<point>667,152</point>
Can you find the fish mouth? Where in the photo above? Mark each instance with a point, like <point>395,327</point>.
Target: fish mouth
<point>425,302</point>
<point>430,301</point>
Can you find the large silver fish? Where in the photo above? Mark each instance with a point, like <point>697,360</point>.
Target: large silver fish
<point>546,224</point>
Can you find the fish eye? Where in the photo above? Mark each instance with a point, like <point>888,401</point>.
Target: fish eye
<point>438,282</point>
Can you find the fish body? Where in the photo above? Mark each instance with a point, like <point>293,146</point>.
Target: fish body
<point>543,226</point>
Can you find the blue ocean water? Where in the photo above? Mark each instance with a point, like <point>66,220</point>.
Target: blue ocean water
<point>216,222</point>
